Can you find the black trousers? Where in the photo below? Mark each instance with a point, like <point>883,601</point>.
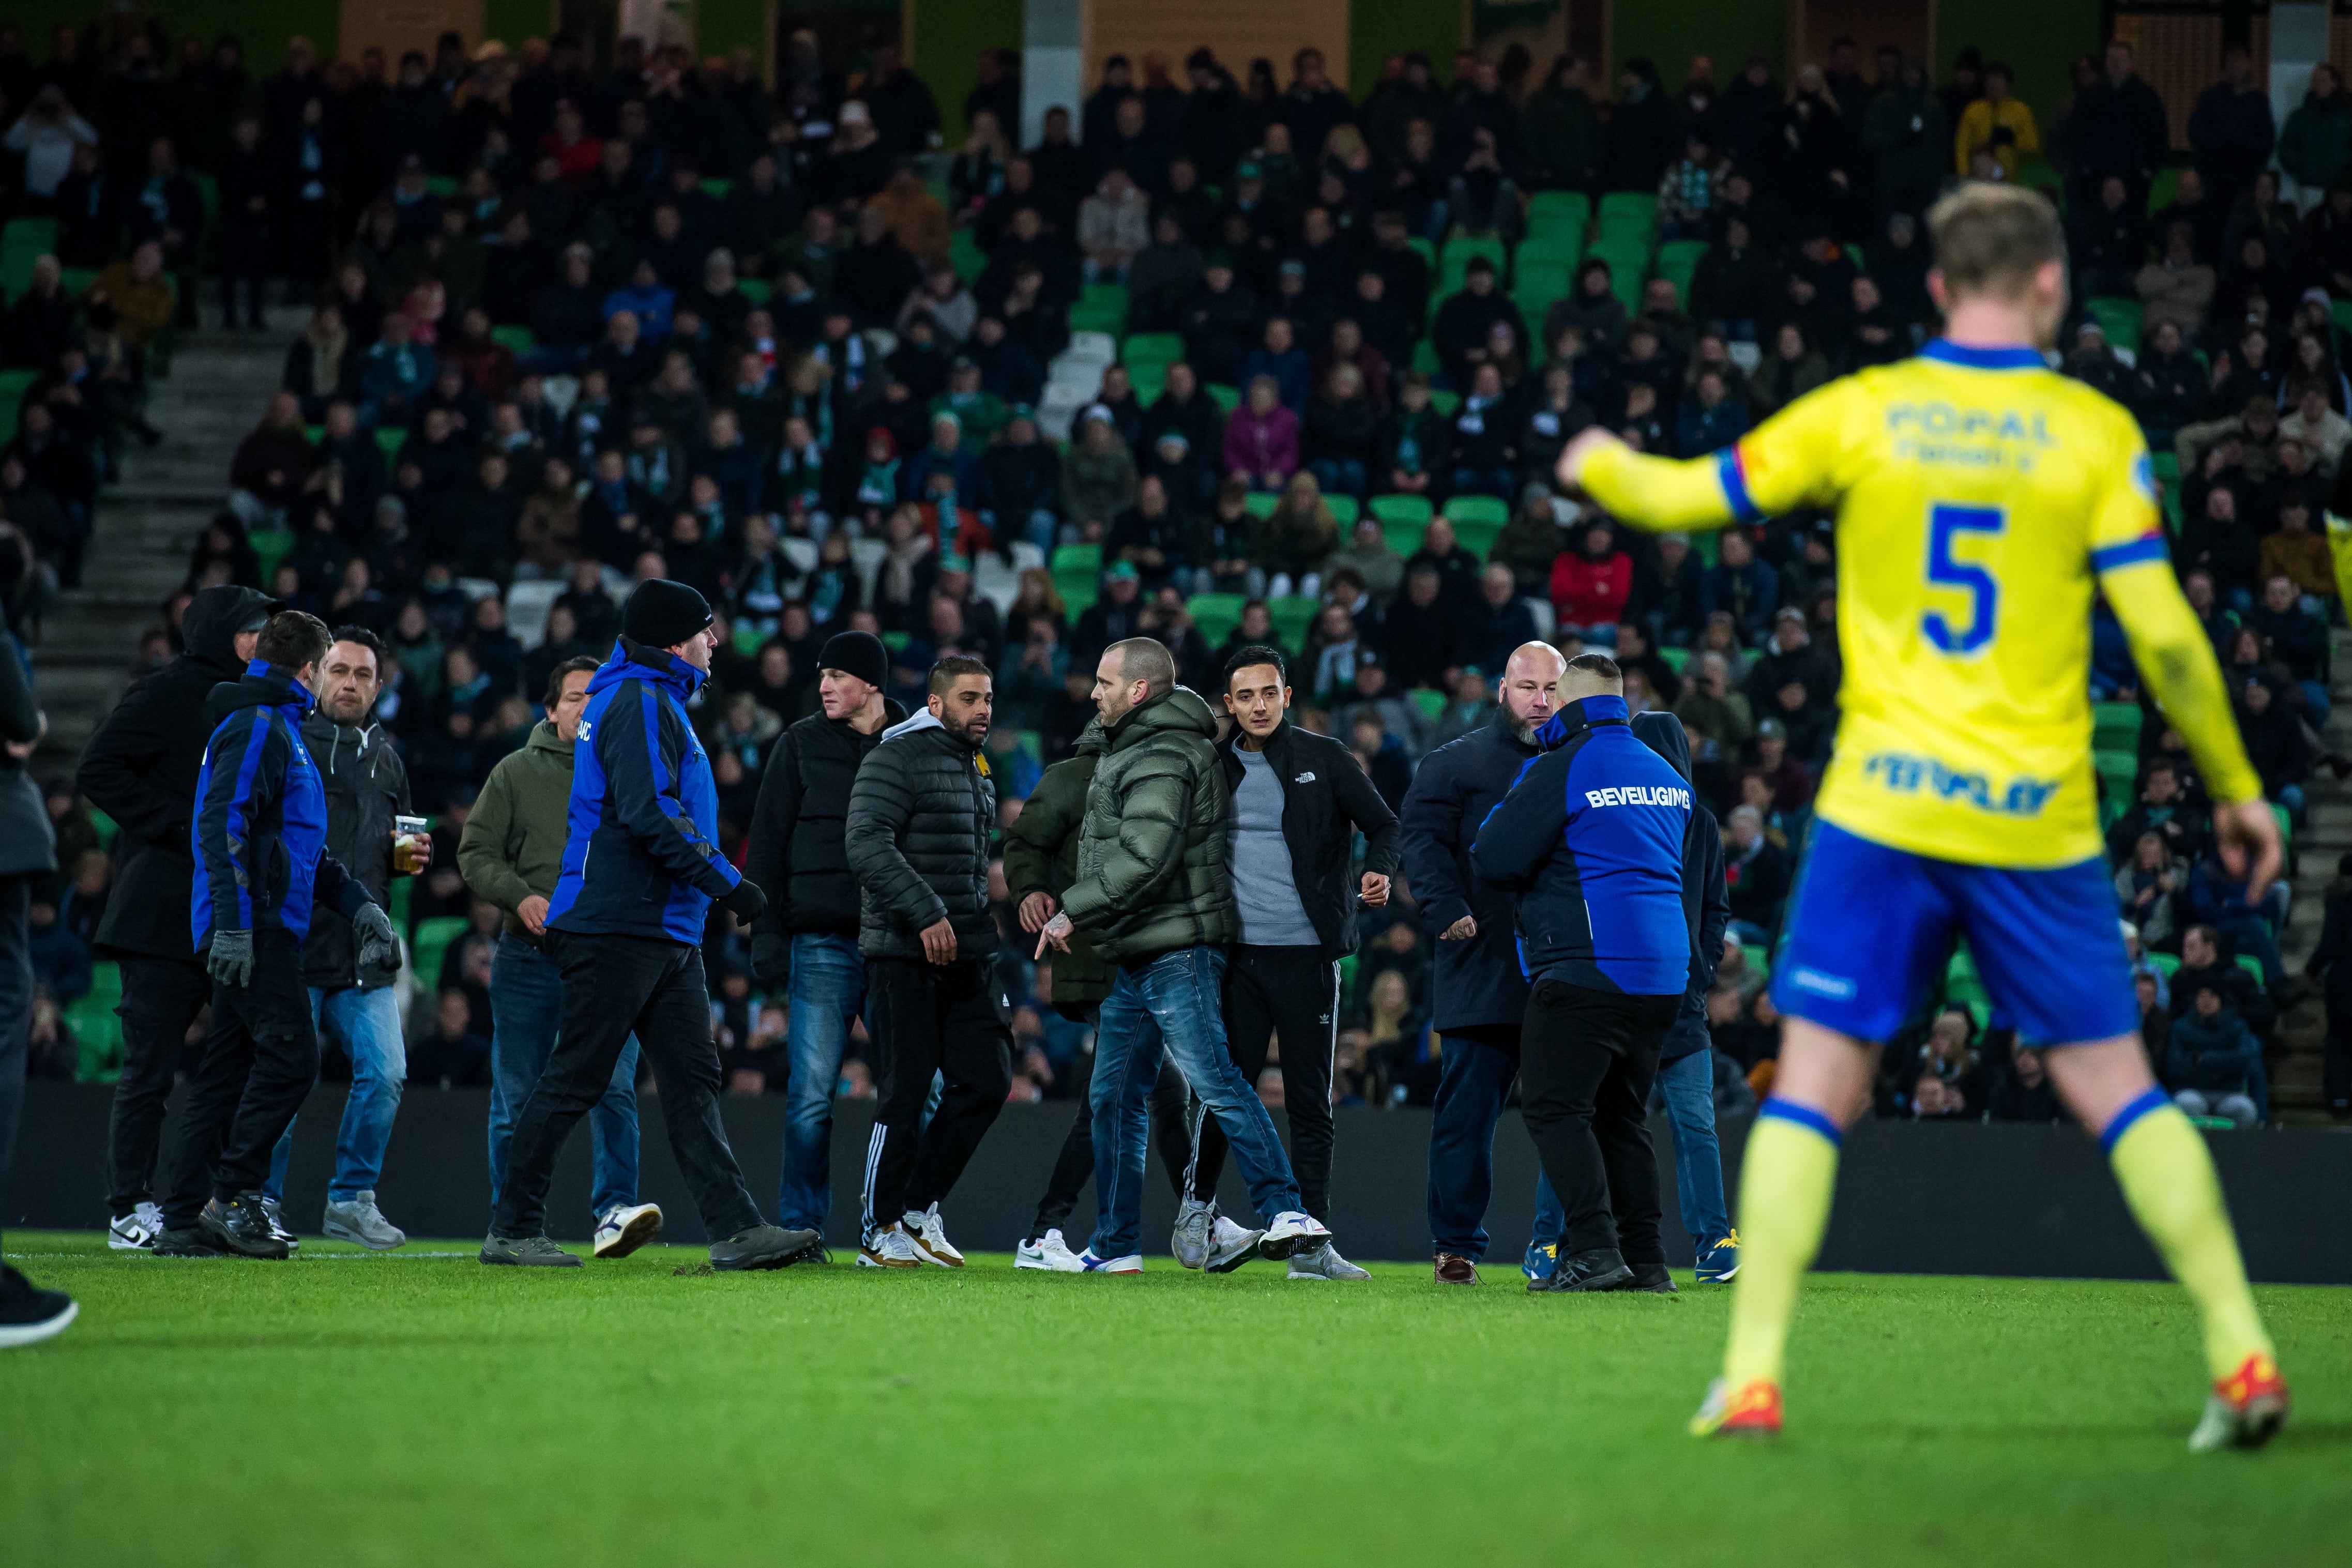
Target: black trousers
<point>927,1018</point>
<point>1075,1166</point>
<point>1293,992</point>
<point>15,1014</point>
<point>1587,1060</point>
<point>260,1059</point>
<point>613,987</point>
<point>161,998</point>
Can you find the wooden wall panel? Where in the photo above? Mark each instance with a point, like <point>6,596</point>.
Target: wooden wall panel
<point>398,25</point>
<point>1239,30</point>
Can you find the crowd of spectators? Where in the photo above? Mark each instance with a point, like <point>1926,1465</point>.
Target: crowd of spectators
<point>570,330</point>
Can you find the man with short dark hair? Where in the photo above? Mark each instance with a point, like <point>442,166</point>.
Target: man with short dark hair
<point>140,768</point>
<point>640,870</point>
<point>1298,801</point>
<point>512,852</point>
<point>806,944</point>
<point>921,816</point>
<point>261,831</point>
<point>1591,837</point>
<point>1153,894</point>
<point>367,789</point>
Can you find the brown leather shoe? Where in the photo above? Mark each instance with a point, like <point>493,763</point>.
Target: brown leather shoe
<point>1455,1269</point>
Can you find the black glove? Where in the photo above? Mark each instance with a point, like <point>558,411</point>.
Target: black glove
<point>746,902</point>
<point>231,959</point>
<point>771,960</point>
<point>379,950</point>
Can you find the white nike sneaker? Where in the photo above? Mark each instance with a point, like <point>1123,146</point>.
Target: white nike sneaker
<point>136,1231</point>
<point>1324,1262</point>
<point>1191,1242</point>
<point>890,1247</point>
<point>625,1226</point>
<point>361,1221</point>
<point>930,1238</point>
<point>1292,1231</point>
<point>1090,1264</point>
<point>1049,1252</point>
<point>1230,1245</point>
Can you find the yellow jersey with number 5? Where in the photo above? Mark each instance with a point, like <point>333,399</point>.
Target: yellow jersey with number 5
<point>1979,497</point>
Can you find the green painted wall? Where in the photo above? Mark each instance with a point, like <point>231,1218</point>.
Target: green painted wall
<point>2036,39</point>
<point>1670,33</point>
<point>1379,28</point>
<point>261,26</point>
<point>949,37</point>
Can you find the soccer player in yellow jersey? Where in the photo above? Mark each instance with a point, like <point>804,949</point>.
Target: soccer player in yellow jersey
<point>1980,497</point>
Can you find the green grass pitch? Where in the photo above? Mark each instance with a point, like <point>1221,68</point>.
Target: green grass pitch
<point>413,1408</point>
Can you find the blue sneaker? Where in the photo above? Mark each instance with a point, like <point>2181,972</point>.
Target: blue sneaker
<point>1541,1262</point>
<point>1719,1262</point>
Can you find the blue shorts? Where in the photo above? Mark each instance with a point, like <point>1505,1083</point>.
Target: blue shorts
<point>1871,929</point>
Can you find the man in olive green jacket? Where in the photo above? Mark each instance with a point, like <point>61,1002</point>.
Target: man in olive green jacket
<point>1041,857</point>
<point>1153,893</point>
<point>511,854</point>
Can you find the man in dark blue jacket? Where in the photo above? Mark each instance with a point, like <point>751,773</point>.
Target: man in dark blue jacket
<point>1590,837</point>
<point>1480,996</point>
<point>259,840</point>
<point>640,870</point>
<point>1687,1063</point>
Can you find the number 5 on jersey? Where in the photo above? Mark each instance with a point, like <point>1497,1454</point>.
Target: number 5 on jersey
<point>1945,525</point>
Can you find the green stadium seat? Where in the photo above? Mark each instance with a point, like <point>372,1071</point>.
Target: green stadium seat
<point>1551,250</point>
<point>1430,703</point>
<point>1292,617</point>
<point>717,188</point>
<point>1215,615</point>
<point>1544,280</point>
<point>1078,575</point>
<point>2115,726</point>
<point>2164,964</point>
<point>897,641</point>
<point>1678,260</point>
<point>1152,349</point>
<point>1553,213</point>
<point>1629,213</point>
<point>1403,519</point>
<point>1676,658</point>
<point>2118,317</point>
<point>1461,248</point>
<point>519,338</point>
<point>1445,402</point>
<point>390,440</point>
<point>425,947</point>
<point>1077,558</point>
<point>755,289</point>
<point>1227,399</point>
<point>1629,266</point>
<point>2119,770</point>
<point>1344,508</point>
<point>1425,359</point>
<point>965,256</point>
<point>1477,509</point>
<point>442,185</point>
<point>1261,503</point>
<point>270,546</point>
<point>2251,964</point>
<point>1426,251</point>
<point>2160,190</point>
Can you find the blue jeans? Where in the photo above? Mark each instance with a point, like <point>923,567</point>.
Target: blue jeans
<point>526,1007</point>
<point>1482,482</point>
<point>1340,476</point>
<point>368,1024</point>
<point>828,990</point>
<point>1473,1083</point>
<point>1173,1005</point>
<point>1687,1085</point>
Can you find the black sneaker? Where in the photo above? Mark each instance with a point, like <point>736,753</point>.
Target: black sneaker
<point>765,1247</point>
<point>1599,1270</point>
<point>30,1314</point>
<point>189,1241</point>
<point>241,1225</point>
<point>525,1252</point>
<point>1653,1278</point>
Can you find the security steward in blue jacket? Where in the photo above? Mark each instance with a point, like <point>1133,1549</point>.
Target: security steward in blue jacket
<point>1591,838</point>
<point>259,840</point>
<point>640,870</point>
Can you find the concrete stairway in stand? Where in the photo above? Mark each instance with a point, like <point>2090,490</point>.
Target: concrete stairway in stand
<point>147,522</point>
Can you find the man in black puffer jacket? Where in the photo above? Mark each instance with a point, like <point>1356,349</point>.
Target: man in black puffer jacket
<point>919,821</point>
<point>808,936</point>
<point>140,768</point>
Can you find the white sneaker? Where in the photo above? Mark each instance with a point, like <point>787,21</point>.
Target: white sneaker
<point>1292,1231</point>
<point>361,1221</point>
<point>930,1238</point>
<point>136,1231</point>
<point>1324,1262</point>
<point>1049,1252</point>
<point>626,1227</point>
<point>1191,1242</point>
<point>890,1248</point>
<point>1230,1245</point>
<point>1090,1264</point>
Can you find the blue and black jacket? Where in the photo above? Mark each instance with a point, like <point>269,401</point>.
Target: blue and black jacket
<point>642,857</point>
<point>261,831</point>
<point>1590,837</point>
<point>1707,901</point>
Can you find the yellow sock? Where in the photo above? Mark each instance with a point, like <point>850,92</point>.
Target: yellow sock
<point>2166,1176</point>
<point>1785,1182</point>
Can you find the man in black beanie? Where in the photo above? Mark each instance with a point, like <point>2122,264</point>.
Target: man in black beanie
<point>641,869</point>
<point>805,944</point>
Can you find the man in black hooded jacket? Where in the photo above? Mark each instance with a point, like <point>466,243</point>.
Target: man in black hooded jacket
<point>140,768</point>
<point>1687,1063</point>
